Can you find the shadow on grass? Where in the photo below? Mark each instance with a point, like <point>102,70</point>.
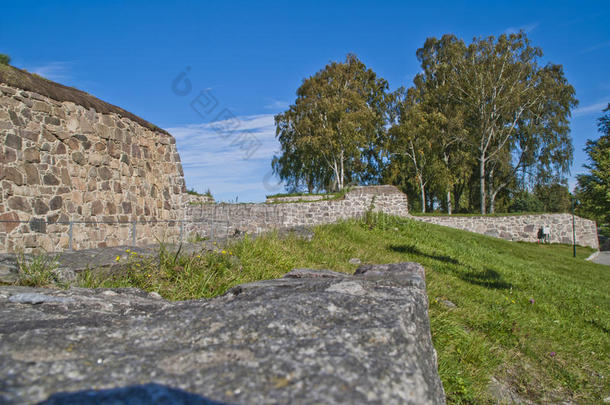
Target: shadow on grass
<point>487,278</point>
<point>415,251</point>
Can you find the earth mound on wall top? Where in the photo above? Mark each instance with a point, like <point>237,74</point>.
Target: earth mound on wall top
<point>22,79</point>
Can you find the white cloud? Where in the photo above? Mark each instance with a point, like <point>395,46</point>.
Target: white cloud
<point>591,108</point>
<point>595,47</point>
<point>55,71</point>
<point>526,28</point>
<point>277,105</point>
<point>232,163</point>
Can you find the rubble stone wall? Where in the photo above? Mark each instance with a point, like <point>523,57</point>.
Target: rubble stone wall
<point>61,162</point>
<point>524,227</point>
<point>207,220</point>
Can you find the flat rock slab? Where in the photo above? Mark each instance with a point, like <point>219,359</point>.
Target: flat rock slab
<point>311,337</point>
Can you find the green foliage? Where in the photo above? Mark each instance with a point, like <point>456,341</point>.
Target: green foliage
<point>593,190</point>
<point>323,196</point>
<point>38,271</point>
<point>552,197</point>
<point>175,275</point>
<point>4,59</point>
<point>330,136</point>
<point>278,195</point>
<point>481,119</point>
<point>481,116</point>
<point>525,201</point>
<point>207,193</point>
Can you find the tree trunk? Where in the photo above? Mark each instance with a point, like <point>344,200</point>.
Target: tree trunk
<point>458,190</point>
<point>342,173</point>
<point>482,180</point>
<point>337,174</point>
<point>446,160</point>
<point>423,197</point>
<point>490,188</point>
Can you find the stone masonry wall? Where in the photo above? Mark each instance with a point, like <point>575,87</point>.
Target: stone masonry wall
<point>225,219</point>
<point>60,161</point>
<point>524,227</point>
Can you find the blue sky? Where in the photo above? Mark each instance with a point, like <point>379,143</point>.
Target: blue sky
<point>246,60</point>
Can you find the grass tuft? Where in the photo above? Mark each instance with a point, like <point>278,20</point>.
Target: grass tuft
<point>38,271</point>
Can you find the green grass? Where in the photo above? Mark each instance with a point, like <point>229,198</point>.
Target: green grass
<point>38,271</point>
<point>278,195</point>
<point>529,315</point>
<point>328,196</point>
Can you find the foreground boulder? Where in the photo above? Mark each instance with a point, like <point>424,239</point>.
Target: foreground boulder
<point>311,337</point>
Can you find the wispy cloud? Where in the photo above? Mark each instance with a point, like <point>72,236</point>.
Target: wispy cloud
<point>219,161</point>
<point>277,105</point>
<point>595,47</point>
<point>526,28</point>
<point>591,108</point>
<point>56,71</point>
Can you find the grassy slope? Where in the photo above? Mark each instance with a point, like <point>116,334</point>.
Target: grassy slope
<point>553,348</point>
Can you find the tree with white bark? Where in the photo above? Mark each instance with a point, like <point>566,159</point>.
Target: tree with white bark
<point>329,136</point>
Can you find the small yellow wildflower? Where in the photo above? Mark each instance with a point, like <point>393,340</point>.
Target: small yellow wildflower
<point>198,256</point>
<point>118,258</point>
<point>127,250</point>
<point>224,252</point>
<point>149,275</point>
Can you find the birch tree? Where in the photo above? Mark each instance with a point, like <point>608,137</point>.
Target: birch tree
<point>446,114</point>
<point>510,96</point>
<point>327,135</point>
<point>412,142</point>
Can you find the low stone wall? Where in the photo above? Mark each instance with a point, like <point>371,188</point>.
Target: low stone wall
<point>523,227</point>
<point>226,219</point>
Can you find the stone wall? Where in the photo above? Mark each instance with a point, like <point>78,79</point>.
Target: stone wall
<point>61,162</point>
<point>524,227</point>
<point>226,219</point>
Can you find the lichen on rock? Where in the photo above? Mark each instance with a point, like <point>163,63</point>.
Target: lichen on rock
<point>310,337</point>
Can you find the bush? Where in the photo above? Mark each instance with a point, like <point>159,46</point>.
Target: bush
<point>525,202</point>
<point>4,59</point>
<point>207,193</point>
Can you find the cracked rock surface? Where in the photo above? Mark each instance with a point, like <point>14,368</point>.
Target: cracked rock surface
<point>310,337</point>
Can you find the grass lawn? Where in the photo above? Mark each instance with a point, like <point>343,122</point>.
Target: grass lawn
<point>531,316</point>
